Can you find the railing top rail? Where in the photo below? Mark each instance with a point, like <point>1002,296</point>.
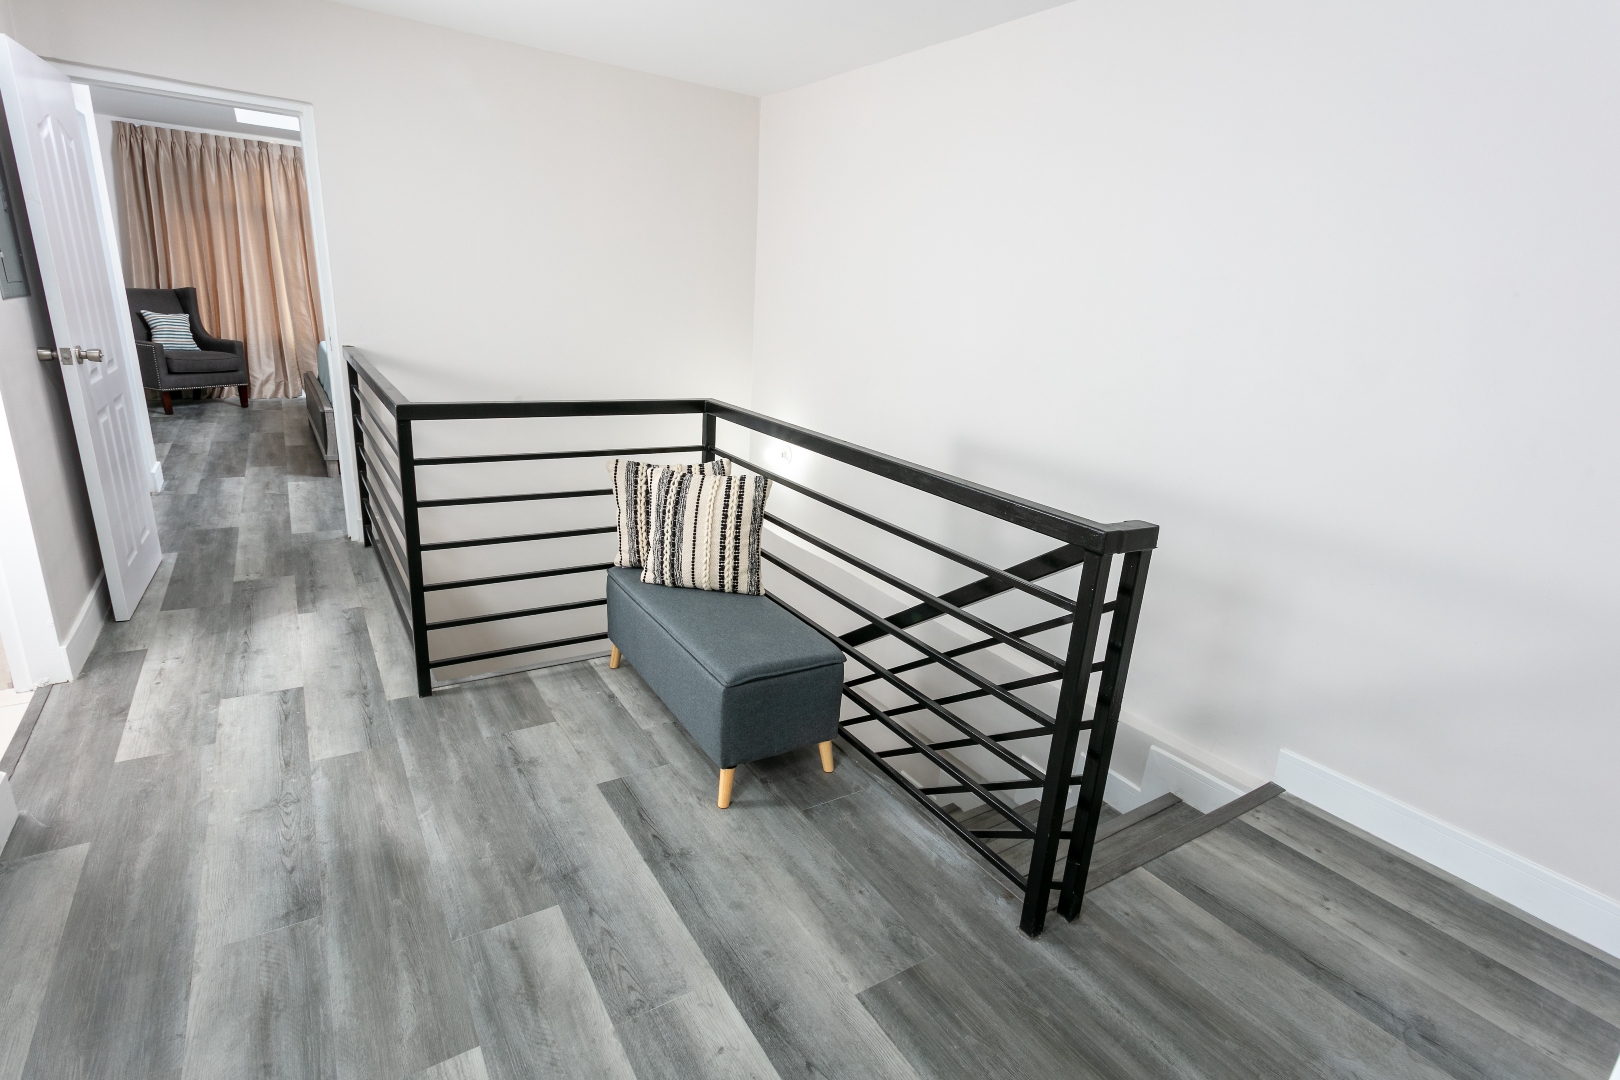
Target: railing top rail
<point>1101,537</point>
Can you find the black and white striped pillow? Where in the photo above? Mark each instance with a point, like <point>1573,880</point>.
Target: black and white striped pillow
<point>704,531</point>
<point>634,496</point>
<point>170,331</point>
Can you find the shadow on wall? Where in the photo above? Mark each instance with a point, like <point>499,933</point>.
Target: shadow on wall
<point>1474,696</point>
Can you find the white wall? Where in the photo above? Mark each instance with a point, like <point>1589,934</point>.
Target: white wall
<point>503,221</point>
<point>1327,291</point>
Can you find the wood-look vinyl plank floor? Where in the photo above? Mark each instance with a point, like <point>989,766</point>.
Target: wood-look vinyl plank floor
<point>247,848</point>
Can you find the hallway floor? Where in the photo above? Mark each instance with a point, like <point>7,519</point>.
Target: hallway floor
<point>248,849</point>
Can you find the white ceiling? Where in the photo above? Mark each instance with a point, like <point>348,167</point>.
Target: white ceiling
<point>751,46</point>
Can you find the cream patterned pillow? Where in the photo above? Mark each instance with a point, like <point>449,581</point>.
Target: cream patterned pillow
<point>630,490</point>
<point>704,531</point>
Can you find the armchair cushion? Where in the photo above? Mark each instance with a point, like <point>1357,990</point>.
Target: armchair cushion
<point>197,361</point>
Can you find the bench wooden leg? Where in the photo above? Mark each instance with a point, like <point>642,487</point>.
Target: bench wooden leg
<point>726,776</point>
<point>826,756</point>
<point>613,660</point>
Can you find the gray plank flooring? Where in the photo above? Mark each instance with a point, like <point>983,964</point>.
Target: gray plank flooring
<point>246,848</point>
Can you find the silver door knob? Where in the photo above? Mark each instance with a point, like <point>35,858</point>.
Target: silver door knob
<point>91,354</point>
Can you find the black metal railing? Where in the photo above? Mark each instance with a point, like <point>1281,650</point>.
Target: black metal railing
<point>942,684</point>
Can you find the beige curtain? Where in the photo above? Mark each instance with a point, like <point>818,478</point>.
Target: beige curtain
<point>231,217</point>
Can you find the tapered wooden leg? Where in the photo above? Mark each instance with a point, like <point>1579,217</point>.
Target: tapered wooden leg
<point>242,392</point>
<point>726,776</point>
<point>168,403</point>
<point>826,756</point>
<point>613,660</point>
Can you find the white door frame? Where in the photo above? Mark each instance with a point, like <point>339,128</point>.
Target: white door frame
<point>339,368</point>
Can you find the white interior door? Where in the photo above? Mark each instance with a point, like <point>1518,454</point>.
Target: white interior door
<point>86,318</point>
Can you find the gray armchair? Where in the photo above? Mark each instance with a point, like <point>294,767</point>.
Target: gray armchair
<point>216,361</point>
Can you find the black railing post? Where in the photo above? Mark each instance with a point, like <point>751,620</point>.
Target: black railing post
<point>1070,719</point>
<point>359,455</point>
<point>708,434</point>
<point>413,554</point>
<point>1110,692</point>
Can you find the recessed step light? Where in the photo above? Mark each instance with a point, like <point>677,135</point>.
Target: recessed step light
<point>267,119</point>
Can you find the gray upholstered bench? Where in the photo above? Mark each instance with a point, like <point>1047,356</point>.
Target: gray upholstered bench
<point>745,678</point>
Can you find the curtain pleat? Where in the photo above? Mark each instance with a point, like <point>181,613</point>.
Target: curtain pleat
<point>230,217</point>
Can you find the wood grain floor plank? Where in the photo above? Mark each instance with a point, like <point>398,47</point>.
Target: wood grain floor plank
<point>487,872</point>
<point>1335,1040</point>
<point>535,1007</point>
<point>468,1066</point>
<point>317,505</point>
<point>736,915</point>
<point>398,1002</point>
<point>178,694</point>
<point>260,867</point>
<point>267,449</point>
<point>137,631</point>
<point>258,1009</point>
<point>204,569</point>
<point>608,741</point>
<point>261,649</point>
<point>489,706</point>
<point>345,707</point>
<point>227,454</point>
<point>967,915</point>
<point>633,693</point>
<point>1536,1016</point>
<point>671,1013</point>
<point>698,1036</point>
<point>390,641</point>
<point>116,1003</point>
<point>1450,1036</point>
<point>36,894</point>
<point>325,576</point>
<point>1572,972</point>
<point>62,777</point>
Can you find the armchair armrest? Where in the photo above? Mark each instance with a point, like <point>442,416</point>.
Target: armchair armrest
<point>150,355</point>
<point>205,340</point>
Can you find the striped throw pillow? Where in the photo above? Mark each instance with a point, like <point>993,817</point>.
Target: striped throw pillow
<point>631,491</point>
<point>170,331</point>
<point>704,531</point>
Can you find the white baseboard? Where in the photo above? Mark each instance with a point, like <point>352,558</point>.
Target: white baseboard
<point>1546,894</point>
<point>156,479</point>
<point>81,636</point>
<point>8,809</point>
<point>1168,774</point>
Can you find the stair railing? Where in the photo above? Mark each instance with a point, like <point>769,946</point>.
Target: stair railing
<point>942,684</point>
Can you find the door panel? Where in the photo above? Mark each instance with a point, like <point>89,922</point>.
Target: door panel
<point>85,315</point>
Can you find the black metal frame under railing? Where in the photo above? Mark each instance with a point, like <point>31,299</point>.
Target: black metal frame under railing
<point>1102,622</point>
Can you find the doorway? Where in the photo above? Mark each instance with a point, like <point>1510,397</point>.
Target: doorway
<point>163,110</point>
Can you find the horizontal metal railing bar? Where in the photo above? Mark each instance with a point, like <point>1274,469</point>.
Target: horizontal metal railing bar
<point>518,410</point>
<point>445,624</point>
<point>958,744</point>
<point>526,575</point>
<point>921,541</point>
<point>379,465</point>
<point>517,538</point>
<point>377,425</point>
<point>1043,565</point>
<point>939,812</point>
<point>923,647</point>
<point>493,654</point>
<point>533,496</point>
<point>376,498</point>
<point>942,606</point>
<point>975,646</point>
<point>1017,684</point>
<point>1100,537</point>
<point>1007,834</point>
<point>1017,763</point>
<point>947,764</point>
<point>996,785</point>
<point>552,455</point>
<point>386,392</point>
